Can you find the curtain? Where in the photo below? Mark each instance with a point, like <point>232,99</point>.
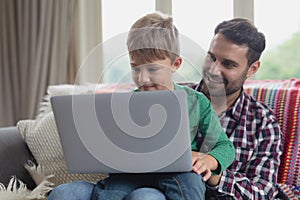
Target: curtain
<point>37,49</point>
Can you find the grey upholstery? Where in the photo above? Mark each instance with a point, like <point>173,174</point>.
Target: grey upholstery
<point>14,153</point>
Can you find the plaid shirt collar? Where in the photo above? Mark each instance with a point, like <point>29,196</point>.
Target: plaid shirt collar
<point>236,110</point>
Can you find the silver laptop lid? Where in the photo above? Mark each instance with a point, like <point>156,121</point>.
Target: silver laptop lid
<point>134,132</point>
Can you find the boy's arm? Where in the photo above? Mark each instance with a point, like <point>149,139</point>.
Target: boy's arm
<point>215,142</point>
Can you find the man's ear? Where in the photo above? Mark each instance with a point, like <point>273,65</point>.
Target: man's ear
<point>177,63</point>
<point>253,68</point>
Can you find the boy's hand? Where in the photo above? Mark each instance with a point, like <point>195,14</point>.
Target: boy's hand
<point>203,164</point>
<point>214,180</point>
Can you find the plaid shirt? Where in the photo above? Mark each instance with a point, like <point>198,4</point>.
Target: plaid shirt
<point>255,133</point>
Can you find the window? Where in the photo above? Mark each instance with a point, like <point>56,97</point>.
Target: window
<point>196,21</point>
<point>118,16</point>
<point>280,22</point>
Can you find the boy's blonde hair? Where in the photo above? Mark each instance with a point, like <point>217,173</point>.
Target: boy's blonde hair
<point>153,37</point>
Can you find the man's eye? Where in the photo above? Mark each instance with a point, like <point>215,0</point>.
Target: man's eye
<point>229,64</point>
<point>211,57</point>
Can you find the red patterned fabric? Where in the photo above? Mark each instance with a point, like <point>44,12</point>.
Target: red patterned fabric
<point>284,98</point>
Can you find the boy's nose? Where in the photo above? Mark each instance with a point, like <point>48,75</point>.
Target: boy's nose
<point>144,76</point>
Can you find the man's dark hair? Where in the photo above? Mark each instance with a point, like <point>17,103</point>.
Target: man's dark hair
<point>241,31</point>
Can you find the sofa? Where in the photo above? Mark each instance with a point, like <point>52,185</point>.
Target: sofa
<point>37,139</point>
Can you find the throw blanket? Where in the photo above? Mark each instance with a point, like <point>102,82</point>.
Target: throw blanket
<point>17,190</point>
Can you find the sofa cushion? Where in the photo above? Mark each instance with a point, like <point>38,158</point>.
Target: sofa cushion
<point>63,89</point>
<point>14,153</point>
<point>43,141</point>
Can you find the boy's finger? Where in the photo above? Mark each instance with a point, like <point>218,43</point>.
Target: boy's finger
<point>199,168</point>
<point>207,175</point>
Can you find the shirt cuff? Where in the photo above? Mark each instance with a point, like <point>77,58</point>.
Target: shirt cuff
<point>214,188</point>
<point>226,185</point>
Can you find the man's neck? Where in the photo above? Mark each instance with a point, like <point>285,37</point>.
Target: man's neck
<point>221,104</point>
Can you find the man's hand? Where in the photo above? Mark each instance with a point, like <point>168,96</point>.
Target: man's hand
<point>203,164</point>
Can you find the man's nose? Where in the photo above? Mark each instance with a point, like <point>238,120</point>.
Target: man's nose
<point>215,68</point>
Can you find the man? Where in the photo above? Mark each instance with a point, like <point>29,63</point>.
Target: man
<point>233,56</point>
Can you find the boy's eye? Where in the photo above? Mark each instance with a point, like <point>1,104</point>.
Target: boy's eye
<point>135,69</point>
<point>152,69</point>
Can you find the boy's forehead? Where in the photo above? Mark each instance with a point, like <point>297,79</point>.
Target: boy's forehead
<point>146,55</point>
<point>141,62</point>
<point>137,61</point>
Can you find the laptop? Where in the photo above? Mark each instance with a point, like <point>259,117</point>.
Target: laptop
<point>131,132</point>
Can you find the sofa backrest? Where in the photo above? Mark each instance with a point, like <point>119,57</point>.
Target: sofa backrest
<point>283,97</point>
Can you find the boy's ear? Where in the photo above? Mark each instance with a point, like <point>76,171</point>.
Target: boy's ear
<point>177,63</point>
<point>253,68</point>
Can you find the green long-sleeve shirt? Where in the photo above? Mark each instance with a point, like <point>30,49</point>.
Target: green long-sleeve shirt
<point>207,134</point>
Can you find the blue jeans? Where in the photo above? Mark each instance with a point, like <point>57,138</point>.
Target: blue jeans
<point>81,190</point>
<point>146,194</point>
<point>188,186</point>
<point>175,186</point>
<point>78,190</point>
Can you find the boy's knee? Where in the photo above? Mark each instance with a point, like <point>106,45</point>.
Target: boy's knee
<point>146,194</point>
<point>184,185</point>
<point>190,178</point>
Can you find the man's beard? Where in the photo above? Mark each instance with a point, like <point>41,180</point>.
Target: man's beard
<point>223,90</point>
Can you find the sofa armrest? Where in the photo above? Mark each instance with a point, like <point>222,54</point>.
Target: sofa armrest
<point>14,153</point>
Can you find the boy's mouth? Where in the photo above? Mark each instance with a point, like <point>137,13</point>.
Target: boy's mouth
<point>146,87</point>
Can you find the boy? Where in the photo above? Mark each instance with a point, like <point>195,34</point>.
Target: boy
<point>153,46</point>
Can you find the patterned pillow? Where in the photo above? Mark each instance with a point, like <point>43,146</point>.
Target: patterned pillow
<point>42,139</point>
<point>63,89</point>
